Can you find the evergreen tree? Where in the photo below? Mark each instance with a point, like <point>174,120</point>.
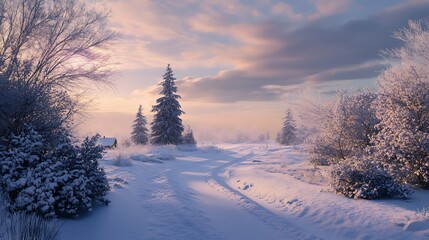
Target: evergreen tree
<point>139,135</point>
<point>188,137</point>
<point>288,133</point>
<point>167,126</point>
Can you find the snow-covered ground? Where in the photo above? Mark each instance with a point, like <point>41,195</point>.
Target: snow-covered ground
<point>246,191</point>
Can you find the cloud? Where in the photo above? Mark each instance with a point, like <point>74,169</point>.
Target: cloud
<point>329,7</point>
<point>254,44</point>
<point>271,55</point>
<point>282,8</point>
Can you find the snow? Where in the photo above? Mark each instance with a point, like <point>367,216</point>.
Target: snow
<point>231,191</point>
<point>106,142</point>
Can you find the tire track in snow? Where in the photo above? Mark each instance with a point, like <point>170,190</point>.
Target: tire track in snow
<point>195,220</point>
<point>216,182</point>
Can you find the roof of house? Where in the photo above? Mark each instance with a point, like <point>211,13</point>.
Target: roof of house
<point>106,142</point>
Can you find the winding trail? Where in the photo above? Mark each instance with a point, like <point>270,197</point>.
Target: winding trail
<point>186,198</point>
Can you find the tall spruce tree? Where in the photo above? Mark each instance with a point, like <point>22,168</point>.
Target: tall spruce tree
<point>139,135</point>
<point>287,135</point>
<point>167,126</point>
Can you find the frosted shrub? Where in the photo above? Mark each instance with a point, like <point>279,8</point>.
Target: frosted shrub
<point>402,106</point>
<point>50,182</point>
<point>121,161</point>
<point>29,182</point>
<point>86,180</point>
<point>346,126</point>
<point>362,178</point>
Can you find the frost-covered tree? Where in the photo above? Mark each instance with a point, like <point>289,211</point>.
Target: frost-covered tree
<point>139,135</point>
<point>287,135</point>
<point>188,137</point>
<point>346,126</point>
<point>167,126</point>
<point>402,106</point>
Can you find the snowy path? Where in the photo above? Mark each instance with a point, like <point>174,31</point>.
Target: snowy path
<point>181,199</point>
<point>249,191</point>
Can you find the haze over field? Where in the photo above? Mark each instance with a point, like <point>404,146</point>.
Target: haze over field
<point>244,59</point>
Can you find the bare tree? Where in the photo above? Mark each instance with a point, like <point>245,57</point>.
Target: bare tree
<point>59,42</point>
<point>49,49</point>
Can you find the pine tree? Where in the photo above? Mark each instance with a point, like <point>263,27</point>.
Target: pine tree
<point>287,135</point>
<point>167,126</point>
<point>139,135</point>
<point>188,137</point>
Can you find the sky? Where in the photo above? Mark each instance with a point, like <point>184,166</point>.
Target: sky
<point>240,64</point>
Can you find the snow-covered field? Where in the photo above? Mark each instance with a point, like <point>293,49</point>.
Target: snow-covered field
<point>246,191</point>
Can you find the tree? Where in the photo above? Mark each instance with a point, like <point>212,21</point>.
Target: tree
<point>167,126</point>
<point>139,135</point>
<point>48,50</point>
<point>402,106</point>
<point>287,135</point>
<point>346,126</point>
<point>188,137</point>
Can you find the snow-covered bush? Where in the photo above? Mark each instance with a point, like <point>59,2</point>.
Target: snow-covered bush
<point>363,178</point>
<point>121,160</point>
<point>347,124</point>
<point>37,179</point>
<point>85,181</point>
<point>402,106</point>
<point>28,176</point>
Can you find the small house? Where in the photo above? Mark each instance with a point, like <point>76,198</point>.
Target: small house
<point>107,142</point>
